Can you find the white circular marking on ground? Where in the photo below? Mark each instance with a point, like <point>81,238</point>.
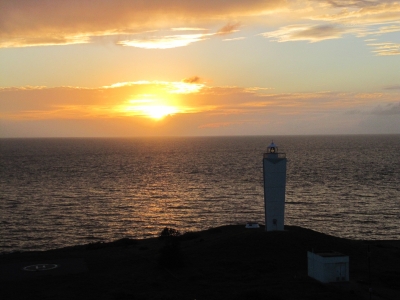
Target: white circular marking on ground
<point>40,267</point>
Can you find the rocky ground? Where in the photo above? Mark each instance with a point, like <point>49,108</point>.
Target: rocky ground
<point>228,262</point>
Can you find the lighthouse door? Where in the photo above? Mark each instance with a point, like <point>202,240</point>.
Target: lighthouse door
<point>340,272</point>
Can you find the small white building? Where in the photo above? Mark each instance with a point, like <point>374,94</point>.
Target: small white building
<point>252,225</point>
<point>328,266</point>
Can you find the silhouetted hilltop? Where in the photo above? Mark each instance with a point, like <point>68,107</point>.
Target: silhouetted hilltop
<point>228,262</point>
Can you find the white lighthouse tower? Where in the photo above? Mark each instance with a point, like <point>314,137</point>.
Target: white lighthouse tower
<point>274,168</point>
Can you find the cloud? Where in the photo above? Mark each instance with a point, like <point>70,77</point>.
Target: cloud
<point>145,24</point>
<point>193,79</point>
<point>379,31</point>
<point>42,22</point>
<point>363,12</point>
<point>334,19</point>
<point>392,87</point>
<point>387,110</point>
<point>203,110</point>
<point>306,32</point>
<point>228,29</point>
<point>32,103</point>
<point>234,39</point>
<point>87,102</point>
<point>382,118</point>
<point>164,42</point>
<point>347,3</point>
<point>45,40</point>
<point>385,49</point>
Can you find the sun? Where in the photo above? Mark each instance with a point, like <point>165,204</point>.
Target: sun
<point>158,112</point>
<point>154,109</point>
<point>155,100</point>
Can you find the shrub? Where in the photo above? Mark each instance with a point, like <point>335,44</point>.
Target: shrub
<point>170,254</point>
<point>168,232</point>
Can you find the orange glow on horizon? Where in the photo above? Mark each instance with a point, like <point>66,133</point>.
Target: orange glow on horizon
<point>158,100</point>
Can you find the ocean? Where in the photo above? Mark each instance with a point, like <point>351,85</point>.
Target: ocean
<point>62,192</point>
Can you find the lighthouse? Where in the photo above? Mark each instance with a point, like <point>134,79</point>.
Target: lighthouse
<point>274,169</point>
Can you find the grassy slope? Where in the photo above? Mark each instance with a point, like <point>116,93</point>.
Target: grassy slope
<point>228,262</point>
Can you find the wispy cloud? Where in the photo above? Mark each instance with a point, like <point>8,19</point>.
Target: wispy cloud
<point>188,29</point>
<point>388,109</point>
<point>234,39</point>
<point>385,49</point>
<point>45,40</point>
<point>165,42</point>
<point>378,31</point>
<point>306,32</point>
<point>392,87</point>
<point>363,12</point>
<point>334,19</point>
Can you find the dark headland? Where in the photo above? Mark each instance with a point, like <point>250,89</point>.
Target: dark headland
<point>228,262</point>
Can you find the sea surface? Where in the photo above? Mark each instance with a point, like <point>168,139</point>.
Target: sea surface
<point>62,192</point>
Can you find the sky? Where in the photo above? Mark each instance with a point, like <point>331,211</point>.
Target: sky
<point>127,68</point>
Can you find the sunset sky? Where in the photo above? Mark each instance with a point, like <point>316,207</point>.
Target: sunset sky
<point>121,68</point>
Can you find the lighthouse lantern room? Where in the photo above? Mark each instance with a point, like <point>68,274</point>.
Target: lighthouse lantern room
<point>274,169</point>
